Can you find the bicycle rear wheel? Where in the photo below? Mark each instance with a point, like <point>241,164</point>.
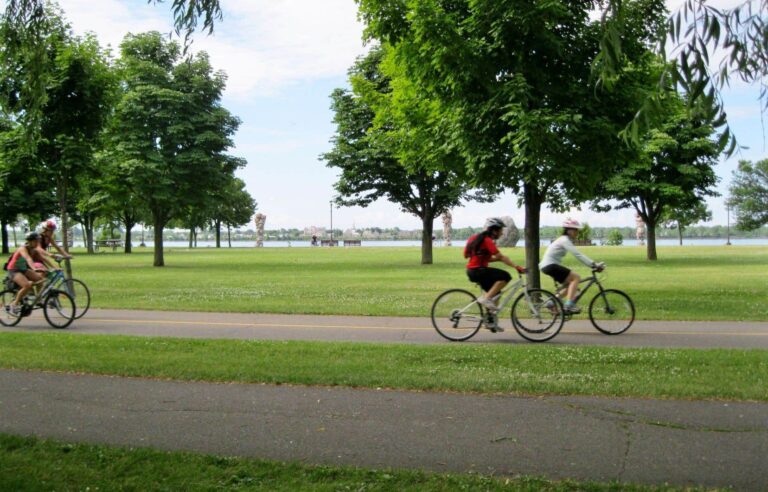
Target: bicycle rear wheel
<point>611,312</point>
<point>79,293</point>
<point>537,315</point>
<point>59,309</point>
<point>6,318</point>
<point>456,315</point>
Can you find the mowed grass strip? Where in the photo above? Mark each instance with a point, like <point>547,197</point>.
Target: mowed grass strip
<point>686,283</point>
<point>30,464</point>
<point>529,370</point>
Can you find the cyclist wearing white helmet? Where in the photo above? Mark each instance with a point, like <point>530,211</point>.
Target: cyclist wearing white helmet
<point>481,250</point>
<point>551,264</point>
<point>47,232</point>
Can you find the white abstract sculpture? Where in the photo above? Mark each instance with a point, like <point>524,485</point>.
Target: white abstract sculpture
<point>511,234</point>
<point>447,221</point>
<point>640,231</point>
<point>260,220</point>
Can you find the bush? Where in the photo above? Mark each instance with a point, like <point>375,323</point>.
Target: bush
<point>614,238</point>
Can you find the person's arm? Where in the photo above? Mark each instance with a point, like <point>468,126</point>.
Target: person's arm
<point>504,259</point>
<point>578,254</point>
<point>59,249</point>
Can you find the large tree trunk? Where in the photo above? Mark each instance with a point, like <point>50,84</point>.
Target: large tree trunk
<point>191,235</point>
<point>88,233</point>
<point>229,235</point>
<point>158,225</point>
<point>427,224</point>
<point>680,233</point>
<point>4,226</point>
<point>128,226</point>
<point>62,186</point>
<point>650,240</point>
<point>217,226</point>
<point>532,237</point>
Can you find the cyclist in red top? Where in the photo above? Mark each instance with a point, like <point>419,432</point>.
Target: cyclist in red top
<point>481,250</point>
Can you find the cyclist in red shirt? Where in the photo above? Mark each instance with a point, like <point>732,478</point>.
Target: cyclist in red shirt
<point>481,250</point>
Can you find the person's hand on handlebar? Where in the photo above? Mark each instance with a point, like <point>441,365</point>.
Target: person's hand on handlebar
<point>521,269</point>
<point>598,267</point>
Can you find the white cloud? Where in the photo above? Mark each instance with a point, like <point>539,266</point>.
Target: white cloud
<point>262,45</point>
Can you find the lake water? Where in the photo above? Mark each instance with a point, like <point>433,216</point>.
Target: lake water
<point>456,244</point>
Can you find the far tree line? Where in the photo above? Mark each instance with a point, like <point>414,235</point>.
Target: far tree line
<point>137,139</point>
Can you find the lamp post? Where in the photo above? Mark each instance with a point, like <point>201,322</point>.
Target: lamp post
<point>331,203</point>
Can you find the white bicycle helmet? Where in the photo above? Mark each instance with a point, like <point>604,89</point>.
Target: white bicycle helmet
<point>571,224</point>
<point>495,222</point>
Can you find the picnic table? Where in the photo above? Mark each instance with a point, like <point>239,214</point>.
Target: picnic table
<point>108,243</point>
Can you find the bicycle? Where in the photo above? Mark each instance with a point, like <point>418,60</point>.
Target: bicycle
<point>57,305</point>
<point>75,288</point>
<point>611,311</point>
<point>457,315</point>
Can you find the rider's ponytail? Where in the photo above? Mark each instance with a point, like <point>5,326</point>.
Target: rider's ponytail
<point>474,246</point>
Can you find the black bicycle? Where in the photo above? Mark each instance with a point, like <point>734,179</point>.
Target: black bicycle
<point>57,305</point>
<point>611,311</point>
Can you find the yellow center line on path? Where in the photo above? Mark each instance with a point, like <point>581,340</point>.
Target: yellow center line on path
<point>253,325</point>
<point>393,328</point>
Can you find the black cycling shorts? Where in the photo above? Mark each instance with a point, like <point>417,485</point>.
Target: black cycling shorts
<point>557,272</point>
<point>486,277</point>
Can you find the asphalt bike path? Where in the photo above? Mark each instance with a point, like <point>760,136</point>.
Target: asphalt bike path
<point>714,444</point>
<point>578,331</point>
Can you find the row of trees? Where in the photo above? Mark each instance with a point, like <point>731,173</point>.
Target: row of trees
<point>460,100</point>
<point>139,139</point>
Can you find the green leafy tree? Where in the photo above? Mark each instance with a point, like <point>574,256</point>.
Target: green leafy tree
<point>171,131</point>
<point>749,194</point>
<point>516,77</point>
<point>387,146</point>
<point>614,238</point>
<point>681,218</point>
<point>672,170</point>
<point>235,208</point>
<point>79,101</point>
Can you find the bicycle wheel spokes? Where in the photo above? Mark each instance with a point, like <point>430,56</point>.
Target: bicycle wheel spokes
<point>6,318</point>
<point>80,294</point>
<point>537,316</point>
<point>456,316</point>
<point>612,312</point>
<point>59,309</point>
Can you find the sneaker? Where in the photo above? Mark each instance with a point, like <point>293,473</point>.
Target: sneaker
<point>487,303</point>
<point>492,323</point>
<point>572,309</point>
<point>14,310</point>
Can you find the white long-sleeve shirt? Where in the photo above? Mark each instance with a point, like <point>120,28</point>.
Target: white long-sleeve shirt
<point>558,249</point>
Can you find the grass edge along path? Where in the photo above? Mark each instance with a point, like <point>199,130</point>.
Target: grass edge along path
<point>726,374</point>
<point>28,463</point>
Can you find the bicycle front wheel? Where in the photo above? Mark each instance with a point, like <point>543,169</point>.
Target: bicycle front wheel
<point>79,293</point>
<point>611,312</point>
<point>6,318</point>
<point>59,309</point>
<point>537,315</point>
<point>456,315</point>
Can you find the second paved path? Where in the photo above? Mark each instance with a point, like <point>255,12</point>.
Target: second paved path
<point>716,444</point>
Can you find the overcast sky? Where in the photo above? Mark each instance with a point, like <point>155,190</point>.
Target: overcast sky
<point>283,58</point>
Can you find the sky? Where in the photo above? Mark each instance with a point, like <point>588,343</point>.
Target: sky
<point>283,58</point>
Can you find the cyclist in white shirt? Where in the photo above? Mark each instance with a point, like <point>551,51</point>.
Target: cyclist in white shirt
<point>551,264</point>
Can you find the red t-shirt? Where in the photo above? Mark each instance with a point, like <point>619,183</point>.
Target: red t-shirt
<point>482,254</point>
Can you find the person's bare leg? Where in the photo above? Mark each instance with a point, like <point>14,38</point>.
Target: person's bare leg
<point>24,285</point>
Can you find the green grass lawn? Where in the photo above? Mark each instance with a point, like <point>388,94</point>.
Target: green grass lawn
<point>29,464</point>
<point>686,283</point>
<point>528,369</point>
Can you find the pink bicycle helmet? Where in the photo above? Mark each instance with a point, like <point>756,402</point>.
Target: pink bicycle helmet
<point>50,225</point>
<point>571,224</point>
